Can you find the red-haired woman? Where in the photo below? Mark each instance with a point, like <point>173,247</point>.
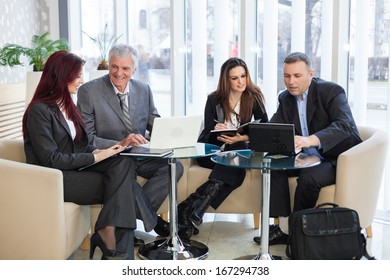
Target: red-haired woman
<point>54,137</point>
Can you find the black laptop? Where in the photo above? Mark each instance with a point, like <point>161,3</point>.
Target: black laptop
<point>272,138</point>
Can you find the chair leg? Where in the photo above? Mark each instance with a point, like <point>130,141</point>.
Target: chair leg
<point>85,245</point>
<point>165,216</point>
<point>369,231</point>
<point>86,242</point>
<point>256,220</point>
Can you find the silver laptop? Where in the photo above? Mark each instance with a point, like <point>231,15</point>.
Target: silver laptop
<point>272,138</point>
<point>175,132</point>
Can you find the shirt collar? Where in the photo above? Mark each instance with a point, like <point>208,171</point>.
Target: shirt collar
<point>304,96</point>
<point>117,91</point>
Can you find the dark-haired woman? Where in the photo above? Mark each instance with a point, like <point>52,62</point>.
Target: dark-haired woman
<point>236,101</point>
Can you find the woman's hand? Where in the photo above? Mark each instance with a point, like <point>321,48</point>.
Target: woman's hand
<point>106,153</point>
<point>220,126</point>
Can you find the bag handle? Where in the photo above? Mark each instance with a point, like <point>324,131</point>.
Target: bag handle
<point>327,204</point>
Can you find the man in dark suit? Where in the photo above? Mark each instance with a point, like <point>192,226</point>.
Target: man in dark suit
<point>324,126</point>
<point>101,104</point>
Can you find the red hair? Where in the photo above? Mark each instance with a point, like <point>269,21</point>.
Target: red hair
<point>61,68</point>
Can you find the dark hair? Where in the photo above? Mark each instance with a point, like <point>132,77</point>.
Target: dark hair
<point>298,56</point>
<point>251,94</point>
<point>60,69</point>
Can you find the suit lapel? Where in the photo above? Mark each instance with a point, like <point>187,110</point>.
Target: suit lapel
<point>220,114</point>
<point>61,119</point>
<point>132,98</point>
<point>311,105</point>
<point>293,114</point>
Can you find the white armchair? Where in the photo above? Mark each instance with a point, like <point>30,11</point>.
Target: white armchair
<point>35,221</point>
<point>359,176</point>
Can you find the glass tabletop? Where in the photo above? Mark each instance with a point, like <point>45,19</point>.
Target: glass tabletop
<point>199,150</point>
<point>257,160</point>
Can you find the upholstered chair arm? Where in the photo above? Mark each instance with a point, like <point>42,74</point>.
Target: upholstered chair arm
<point>359,174</point>
<point>31,208</point>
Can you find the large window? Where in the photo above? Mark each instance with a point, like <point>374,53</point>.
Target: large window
<point>211,38</point>
<point>93,22</point>
<point>143,24</point>
<point>283,27</point>
<point>369,74</point>
<point>359,61</point>
<point>149,29</point>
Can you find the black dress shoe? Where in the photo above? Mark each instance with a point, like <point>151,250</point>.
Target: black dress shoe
<point>162,227</point>
<point>196,231</point>
<point>270,230</point>
<point>138,242</point>
<point>276,236</point>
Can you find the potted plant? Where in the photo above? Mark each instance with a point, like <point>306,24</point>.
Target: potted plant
<point>104,42</point>
<point>41,48</point>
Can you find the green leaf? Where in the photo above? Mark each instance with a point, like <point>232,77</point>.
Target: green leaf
<point>41,48</point>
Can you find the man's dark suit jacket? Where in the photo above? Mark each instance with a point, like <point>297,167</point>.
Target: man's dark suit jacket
<point>329,117</point>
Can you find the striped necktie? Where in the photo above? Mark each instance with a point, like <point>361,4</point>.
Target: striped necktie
<point>125,110</point>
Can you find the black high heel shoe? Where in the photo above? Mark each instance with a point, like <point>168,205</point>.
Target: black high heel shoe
<point>108,254</point>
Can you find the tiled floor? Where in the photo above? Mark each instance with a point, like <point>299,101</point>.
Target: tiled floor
<point>230,236</point>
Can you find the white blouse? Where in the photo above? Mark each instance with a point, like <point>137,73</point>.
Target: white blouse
<point>70,124</point>
<point>234,123</point>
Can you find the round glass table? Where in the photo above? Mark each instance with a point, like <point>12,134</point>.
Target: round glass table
<point>172,247</point>
<point>256,160</point>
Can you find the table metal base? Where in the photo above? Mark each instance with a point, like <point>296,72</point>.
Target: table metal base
<point>164,249</point>
<point>258,257</point>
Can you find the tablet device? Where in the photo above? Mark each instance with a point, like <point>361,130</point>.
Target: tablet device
<point>275,139</point>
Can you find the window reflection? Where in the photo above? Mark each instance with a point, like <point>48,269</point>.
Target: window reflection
<point>212,37</point>
<point>93,21</point>
<point>376,66</point>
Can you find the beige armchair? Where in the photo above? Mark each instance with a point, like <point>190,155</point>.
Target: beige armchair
<point>35,221</point>
<point>358,177</point>
<point>245,199</point>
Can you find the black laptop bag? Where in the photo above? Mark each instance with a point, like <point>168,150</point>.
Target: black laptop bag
<point>330,233</point>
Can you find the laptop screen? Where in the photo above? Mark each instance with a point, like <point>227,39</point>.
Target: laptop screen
<point>273,138</point>
<point>175,132</point>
